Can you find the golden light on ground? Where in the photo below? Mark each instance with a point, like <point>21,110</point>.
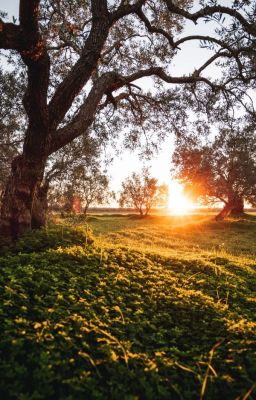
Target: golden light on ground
<point>178,203</point>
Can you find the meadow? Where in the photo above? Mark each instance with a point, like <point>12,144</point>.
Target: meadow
<point>119,307</point>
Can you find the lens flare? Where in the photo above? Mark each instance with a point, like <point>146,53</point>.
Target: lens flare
<point>179,203</point>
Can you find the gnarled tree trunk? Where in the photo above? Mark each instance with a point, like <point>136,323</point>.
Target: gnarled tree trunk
<point>238,207</point>
<point>234,206</point>
<point>40,207</point>
<point>18,198</point>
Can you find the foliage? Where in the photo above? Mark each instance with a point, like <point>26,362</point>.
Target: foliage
<point>49,237</point>
<point>91,184</point>
<point>222,169</point>
<point>85,322</point>
<point>180,236</point>
<point>12,122</point>
<point>142,192</point>
<point>62,165</point>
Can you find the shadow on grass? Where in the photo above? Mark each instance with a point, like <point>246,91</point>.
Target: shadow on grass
<point>85,323</point>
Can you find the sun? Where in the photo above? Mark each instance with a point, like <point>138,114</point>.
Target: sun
<point>178,203</point>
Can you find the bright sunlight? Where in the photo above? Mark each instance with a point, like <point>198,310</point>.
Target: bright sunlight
<point>179,203</point>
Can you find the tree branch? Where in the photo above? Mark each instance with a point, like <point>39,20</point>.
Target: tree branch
<point>110,82</point>
<point>126,9</point>
<point>38,63</point>
<point>29,12</point>
<point>211,39</point>
<point>154,29</point>
<point>82,70</point>
<point>83,120</point>
<point>11,37</point>
<point>209,11</point>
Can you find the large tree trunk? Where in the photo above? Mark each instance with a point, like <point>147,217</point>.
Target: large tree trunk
<point>238,207</point>
<point>224,212</point>
<point>234,206</point>
<point>16,211</point>
<point>40,207</point>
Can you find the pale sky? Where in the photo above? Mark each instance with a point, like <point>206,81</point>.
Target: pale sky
<point>191,58</point>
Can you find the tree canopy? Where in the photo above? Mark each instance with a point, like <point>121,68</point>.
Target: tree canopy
<point>142,192</point>
<point>88,183</point>
<point>222,169</point>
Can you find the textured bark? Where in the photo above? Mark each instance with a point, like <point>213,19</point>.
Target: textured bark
<point>17,203</point>
<point>234,207</point>
<point>238,208</point>
<point>224,212</point>
<point>39,207</point>
<point>84,67</point>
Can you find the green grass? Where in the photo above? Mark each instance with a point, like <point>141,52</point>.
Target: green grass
<point>157,308</point>
<point>182,236</point>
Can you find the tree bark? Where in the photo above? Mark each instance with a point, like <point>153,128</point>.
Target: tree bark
<point>224,212</point>
<point>234,206</point>
<point>17,203</point>
<point>40,207</point>
<point>86,211</point>
<point>238,207</point>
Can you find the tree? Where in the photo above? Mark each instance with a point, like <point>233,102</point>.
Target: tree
<point>82,59</point>
<point>60,170</point>
<point>142,192</point>
<point>222,170</point>
<point>12,125</point>
<point>89,184</point>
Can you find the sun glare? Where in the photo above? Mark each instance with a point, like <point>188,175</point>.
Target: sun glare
<point>179,203</point>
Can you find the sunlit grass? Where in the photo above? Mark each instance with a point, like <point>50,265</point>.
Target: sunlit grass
<point>186,236</point>
<point>157,308</point>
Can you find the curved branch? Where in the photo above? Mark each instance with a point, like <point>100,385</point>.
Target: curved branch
<point>85,117</point>
<point>110,82</point>
<point>82,70</point>
<point>209,11</point>
<point>154,29</point>
<point>158,71</point>
<point>210,61</point>
<point>126,9</point>
<point>203,38</point>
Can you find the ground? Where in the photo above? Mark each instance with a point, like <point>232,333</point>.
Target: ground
<point>123,307</point>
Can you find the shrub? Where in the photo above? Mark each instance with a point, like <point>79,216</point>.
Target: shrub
<point>50,238</point>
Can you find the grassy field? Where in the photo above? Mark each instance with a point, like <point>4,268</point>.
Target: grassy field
<point>172,236</point>
<point>155,308</point>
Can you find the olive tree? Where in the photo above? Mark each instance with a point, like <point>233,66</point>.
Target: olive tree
<point>64,168</point>
<point>86,182</point>
<point>83,60</point>
<point>220,170</point>
<point>142,192</point>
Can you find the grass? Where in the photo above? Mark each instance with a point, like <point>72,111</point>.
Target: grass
<point>172,236</point>
<point>156,308</point>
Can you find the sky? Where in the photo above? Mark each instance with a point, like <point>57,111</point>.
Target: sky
<point>190,58</point>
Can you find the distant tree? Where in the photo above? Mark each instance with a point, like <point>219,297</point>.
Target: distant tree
<point>142,192</point>
<point>88,183</point>
<point>222,170</point>
<point>60,169</point>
